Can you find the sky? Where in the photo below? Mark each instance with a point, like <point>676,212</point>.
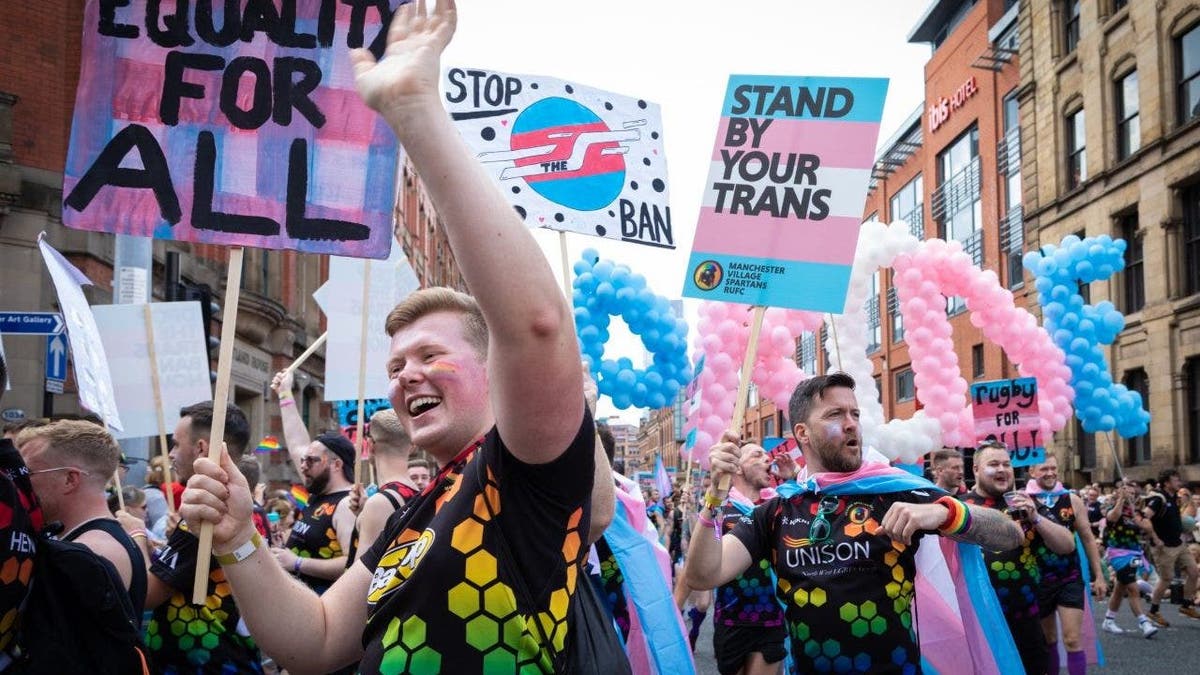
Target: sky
<point>679,54</point>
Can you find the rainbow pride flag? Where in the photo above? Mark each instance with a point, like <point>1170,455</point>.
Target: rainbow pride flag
<point>300,496</point>
<point>267,445</point>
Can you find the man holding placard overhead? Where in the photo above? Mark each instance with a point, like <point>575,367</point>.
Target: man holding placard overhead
<point>842,544</point>
<point>491,387</point>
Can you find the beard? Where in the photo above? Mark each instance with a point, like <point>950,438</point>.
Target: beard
<point>317,484</point>
<point>834,458</point>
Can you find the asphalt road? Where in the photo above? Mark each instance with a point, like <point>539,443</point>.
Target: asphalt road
<point>1172,650</point>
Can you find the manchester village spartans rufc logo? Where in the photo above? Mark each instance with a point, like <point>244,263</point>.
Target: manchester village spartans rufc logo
<point>708,275</point>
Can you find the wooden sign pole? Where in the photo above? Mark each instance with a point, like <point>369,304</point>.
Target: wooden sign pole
<point>739,408</point>
<point>216,437</point>
<point>312,349</point>
<point>164,451</point>
<point>362,372</point>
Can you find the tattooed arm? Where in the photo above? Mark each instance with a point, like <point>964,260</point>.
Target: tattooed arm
<point>992,529</point>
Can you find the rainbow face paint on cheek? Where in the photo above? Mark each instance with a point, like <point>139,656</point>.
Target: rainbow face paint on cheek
<point>442,368</point>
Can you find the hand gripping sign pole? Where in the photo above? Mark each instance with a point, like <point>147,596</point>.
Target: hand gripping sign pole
<point>158,404</point>
<point>216,437</point>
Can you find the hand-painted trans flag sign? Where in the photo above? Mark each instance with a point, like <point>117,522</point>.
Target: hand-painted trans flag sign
<point>788,175</point>
<point>244,128</point>
<point>569,157</point>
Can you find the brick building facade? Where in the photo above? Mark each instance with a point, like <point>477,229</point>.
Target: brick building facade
<point>1111,125</point>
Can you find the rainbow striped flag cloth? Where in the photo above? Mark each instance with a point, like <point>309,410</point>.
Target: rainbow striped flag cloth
<point>268,444</point>
<point>300,496</point>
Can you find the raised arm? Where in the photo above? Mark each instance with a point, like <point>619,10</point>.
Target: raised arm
<point>712,562</point>
<point>295,434</point>
<point>533,356</point>
<point>989,528</point>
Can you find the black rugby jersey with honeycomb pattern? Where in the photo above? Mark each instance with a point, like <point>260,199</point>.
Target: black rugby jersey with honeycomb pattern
<point>446,595</point>
<point>313,536</point>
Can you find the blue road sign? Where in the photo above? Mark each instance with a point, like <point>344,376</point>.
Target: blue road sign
<point>56,357</point>
<point>31,323</point>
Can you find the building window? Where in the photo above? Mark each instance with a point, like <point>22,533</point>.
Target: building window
<point>1076,150</point>
<point>905,388</point>
<point>977,361</point>
<point>956,204</point>
<point>1192,375</point>
<point>1012,225</point>
<point>1118,5</point>
<point>1071,27</point>
<point>1132,279</point>
<point>1191,239</point>
<point>1139,446</point>
<point>768,427</point>
<point>908,204</point>
<point>897,317</point>
<point>808,353</point>
<point>1087,446</point>
<point>874,321</point>
<point>1129,131</point>
<point>879,388</point>
<point>1188,65</point>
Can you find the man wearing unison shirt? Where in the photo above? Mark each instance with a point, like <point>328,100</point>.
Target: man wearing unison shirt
<point>836,545</point>
<point>477,573</point>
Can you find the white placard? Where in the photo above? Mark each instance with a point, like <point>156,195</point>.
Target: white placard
<point>569,157</point>
<point>87,351</point>
<point>179,350</point>
<point>340,299</point>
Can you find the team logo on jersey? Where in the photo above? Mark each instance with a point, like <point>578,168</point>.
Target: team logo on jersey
<point>398,564</point>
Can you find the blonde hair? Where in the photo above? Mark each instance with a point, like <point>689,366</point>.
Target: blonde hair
<point>388,434</point>
<point>440,299</point>
<point>77,443</point>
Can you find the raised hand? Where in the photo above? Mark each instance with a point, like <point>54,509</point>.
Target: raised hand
<point>281,384</point>
<point>410,69</point>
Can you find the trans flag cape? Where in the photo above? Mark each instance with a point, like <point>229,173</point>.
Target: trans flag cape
<point>1088,636</point>
<point>658,642</point>
<point>956,606</point>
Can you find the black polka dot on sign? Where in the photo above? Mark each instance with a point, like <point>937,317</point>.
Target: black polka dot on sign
<point>633,185</point>
<point>659,185</point>
<point>534,85</point>
<point>570,89</point>
<point>558,217</point>
<point>612,214</point>
<point>646,161</point>
<point>642,105</point>
<point>488,133</point>
<point>654,135</point>
<point>520,212</point>
<point>608,106</point>
<point>601,231</point>
<point>516,190</point>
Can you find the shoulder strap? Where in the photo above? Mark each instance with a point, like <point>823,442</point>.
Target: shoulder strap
<point>391,498</point>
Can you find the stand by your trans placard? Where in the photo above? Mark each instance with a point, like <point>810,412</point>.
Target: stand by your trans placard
<point>788,176</point>
<point>1007,411</point>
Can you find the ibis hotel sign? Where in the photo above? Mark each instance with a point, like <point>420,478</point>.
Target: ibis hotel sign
<point>941,109</point>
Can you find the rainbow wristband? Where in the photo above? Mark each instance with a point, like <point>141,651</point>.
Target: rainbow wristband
<point>958,520</point>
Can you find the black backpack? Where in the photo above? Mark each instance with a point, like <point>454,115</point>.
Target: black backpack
<point>78,617</point>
